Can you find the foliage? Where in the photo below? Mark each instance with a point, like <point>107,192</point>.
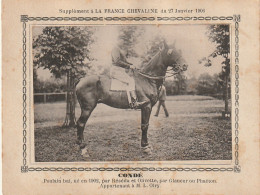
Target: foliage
<point>177,86</point>
<point>220,35</point>
<point>129,36</point>
<point>63,49</point>
<point>192,85</point>
<point>205,84</point>
<point>49,86</point>
<point>180,83</point>
<point>153,46</point>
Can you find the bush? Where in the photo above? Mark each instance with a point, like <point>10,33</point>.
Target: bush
<point>49,86</point>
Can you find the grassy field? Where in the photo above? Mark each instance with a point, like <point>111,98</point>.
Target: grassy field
<point>194,131</point>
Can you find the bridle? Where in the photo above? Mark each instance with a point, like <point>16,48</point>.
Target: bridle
<point>170,72</point>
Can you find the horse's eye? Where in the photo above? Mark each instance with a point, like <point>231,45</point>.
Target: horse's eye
<point>185,66</point>
<point>169,51</point>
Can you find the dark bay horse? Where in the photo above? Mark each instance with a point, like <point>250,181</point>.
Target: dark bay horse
<point>95,89</point>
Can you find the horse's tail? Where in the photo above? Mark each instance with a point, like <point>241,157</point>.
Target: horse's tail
<point>87,84</point>
<point>98,89</point>
<point>76,82</point>
<point>98,84</point>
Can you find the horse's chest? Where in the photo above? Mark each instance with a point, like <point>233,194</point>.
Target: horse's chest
<point>153,98</point>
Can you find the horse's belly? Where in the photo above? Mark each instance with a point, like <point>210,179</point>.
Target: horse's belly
<point>116,99</point>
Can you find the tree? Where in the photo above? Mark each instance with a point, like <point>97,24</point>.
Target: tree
<point>130,35</point>
<point>169,86</point>
<point>192,84</point>
<point>219,34</point>
<point>153,46</point>
<point>64,50</point>
<point>180,81</point>
<point>205,85</point>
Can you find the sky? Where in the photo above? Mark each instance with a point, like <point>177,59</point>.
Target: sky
<point>190,39</point>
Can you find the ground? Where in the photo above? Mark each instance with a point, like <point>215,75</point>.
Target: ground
<point>194,131</point>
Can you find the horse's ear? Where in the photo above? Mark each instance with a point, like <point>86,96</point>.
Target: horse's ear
<point>165,44</point>
<point>162,47</point>
<point>170,51</point>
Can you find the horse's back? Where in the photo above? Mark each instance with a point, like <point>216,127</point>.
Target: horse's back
<point>87,84</point>
<point>87,81</point>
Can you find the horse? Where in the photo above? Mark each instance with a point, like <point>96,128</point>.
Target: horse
<point>95,89</point>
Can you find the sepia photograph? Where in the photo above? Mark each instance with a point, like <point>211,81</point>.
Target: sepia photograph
<point>131,92</point>
<point>130,97</point>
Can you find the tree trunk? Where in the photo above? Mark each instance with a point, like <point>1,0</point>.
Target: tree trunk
<point>226,93</point>
<point>70,102</point>
<point>226,113</point>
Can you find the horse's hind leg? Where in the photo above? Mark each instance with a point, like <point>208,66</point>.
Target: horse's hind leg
<point>146,112</point>
<point>87,106</point>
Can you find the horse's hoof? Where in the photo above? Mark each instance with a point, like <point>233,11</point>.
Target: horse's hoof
<point>78,141</point>
<point>82,145</point>
<point>147,149</point>
<point>84,153</point>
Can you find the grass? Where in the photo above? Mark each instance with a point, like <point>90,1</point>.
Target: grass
<point>194,131</point>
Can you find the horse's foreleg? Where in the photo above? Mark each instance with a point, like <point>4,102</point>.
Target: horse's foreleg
<point>85,114</point>
<point>80,129</point>
<point>146,112</point>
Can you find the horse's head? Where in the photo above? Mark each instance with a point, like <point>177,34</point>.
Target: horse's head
<point>168,56</point>
<point>173,57</point>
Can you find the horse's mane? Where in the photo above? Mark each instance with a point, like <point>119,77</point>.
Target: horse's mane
<point>151,61</point>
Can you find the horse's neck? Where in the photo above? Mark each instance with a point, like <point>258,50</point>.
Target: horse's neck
<point>155,66</point>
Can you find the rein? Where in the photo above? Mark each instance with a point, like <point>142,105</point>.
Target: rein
<point>157,77</point>
<point>150,76</point>
<point>171,71</point>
